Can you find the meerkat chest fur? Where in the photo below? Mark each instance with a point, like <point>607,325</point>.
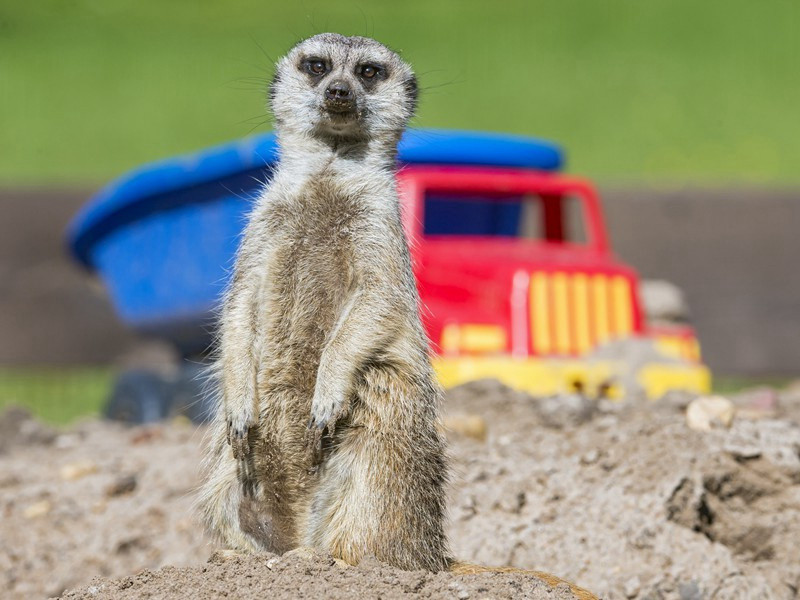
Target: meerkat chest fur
<point>327,232</point>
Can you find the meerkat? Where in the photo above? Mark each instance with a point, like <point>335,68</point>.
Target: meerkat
<point>327,435</point>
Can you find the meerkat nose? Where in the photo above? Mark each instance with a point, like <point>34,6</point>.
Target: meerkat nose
<point>339,90</point>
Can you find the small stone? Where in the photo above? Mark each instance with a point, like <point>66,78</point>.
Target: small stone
<point>123,485</point>
<point>146,435</point>
<point>472,426</point>
<point>37,509</point>
<point>590,457</point>
<point>709,411</point>
<point>456,586</point>
<point>9,481</point>
<point>222,556</point>
<point>77,470</point>
<point>565,410</point>
<point>67,440</point>
<point>689,591</point>
<point>743,452</point>
<point>183,525</point>
<point>631,587</point>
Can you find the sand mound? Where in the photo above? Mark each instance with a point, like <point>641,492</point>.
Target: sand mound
<point>270,576</point>
<point>627,502</point>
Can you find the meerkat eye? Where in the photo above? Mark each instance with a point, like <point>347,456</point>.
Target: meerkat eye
<point>315,66</point>
<point>368,71</point>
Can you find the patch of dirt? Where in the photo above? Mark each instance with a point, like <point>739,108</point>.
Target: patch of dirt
<point>18,428</point>
<point>628,503</point>
<point>271,576</point>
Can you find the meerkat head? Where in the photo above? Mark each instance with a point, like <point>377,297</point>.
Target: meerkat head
<point>340,89</point>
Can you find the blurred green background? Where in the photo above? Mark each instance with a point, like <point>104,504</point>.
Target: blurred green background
<point>638,92</point>
<point>703,92</point>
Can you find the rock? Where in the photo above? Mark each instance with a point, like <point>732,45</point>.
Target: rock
<point>469,425</point>
<point>565,410</point>
<point>590,457</point>
<point>146,435</point>
<point>709,411</point>
<point>632,587</point>
<point>689,590</point>
<point>67,440</point>
<point>663,302</point>
<point>37,509</point>
<point>19,428</point>
<point>123,485</point>
<point>76,470</point>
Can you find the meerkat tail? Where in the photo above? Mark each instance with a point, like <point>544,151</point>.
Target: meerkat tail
<point>465,568</point>
<point>222,494</point>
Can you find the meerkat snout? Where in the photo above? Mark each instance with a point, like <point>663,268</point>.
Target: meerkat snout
<point>339,97</point>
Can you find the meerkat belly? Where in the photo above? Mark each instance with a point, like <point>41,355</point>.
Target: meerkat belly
<point>307,297</point>
<point>309,282</point>
<point>308,287</point>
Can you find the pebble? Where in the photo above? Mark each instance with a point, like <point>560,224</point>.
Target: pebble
<point>590,457</point>
<point>37,509</point>
<point>123,485</point>
<point>76,470</point>
<point>472,426</point>
<point>632,587</point>
<point>708,411</point>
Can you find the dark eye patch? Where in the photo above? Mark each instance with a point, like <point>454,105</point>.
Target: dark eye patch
<point>370,73</point>
<point>316,67</point>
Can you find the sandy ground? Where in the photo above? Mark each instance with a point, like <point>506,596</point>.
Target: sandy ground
<point>624,500</point>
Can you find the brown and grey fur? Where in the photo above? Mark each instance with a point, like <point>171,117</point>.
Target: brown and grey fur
<point>327,436</point>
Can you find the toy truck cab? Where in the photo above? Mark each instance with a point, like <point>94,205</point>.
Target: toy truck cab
<point>517,282</point>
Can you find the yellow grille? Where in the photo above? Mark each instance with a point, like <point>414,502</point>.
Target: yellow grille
<point>677,346</point>
<point>573,312</point>
<point>473,338</point>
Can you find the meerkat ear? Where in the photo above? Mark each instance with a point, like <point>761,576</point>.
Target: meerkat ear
<point>413,92</point>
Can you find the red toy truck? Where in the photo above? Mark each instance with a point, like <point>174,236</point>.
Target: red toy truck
<point>530,300</point>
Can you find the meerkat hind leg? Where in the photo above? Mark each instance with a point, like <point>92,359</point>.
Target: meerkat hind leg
<point>257,520</point>
<point>221,496</point>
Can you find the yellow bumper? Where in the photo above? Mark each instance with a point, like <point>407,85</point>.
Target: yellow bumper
<point>545,376</point>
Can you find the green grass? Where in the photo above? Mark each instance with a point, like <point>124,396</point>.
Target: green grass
<point>59,396</point>
<point>56,396</point>
<point>663,90</point>
<point>730,384</point>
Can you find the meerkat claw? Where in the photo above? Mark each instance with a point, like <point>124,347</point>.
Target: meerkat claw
<point>314,441</point>
<point>240,446</point>
<point>239,440</point>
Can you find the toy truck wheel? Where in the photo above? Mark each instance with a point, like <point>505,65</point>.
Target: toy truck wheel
<point>138,397</point>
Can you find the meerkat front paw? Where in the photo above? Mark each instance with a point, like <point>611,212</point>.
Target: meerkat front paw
<point>238,435</point>
<point>325,411</point>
